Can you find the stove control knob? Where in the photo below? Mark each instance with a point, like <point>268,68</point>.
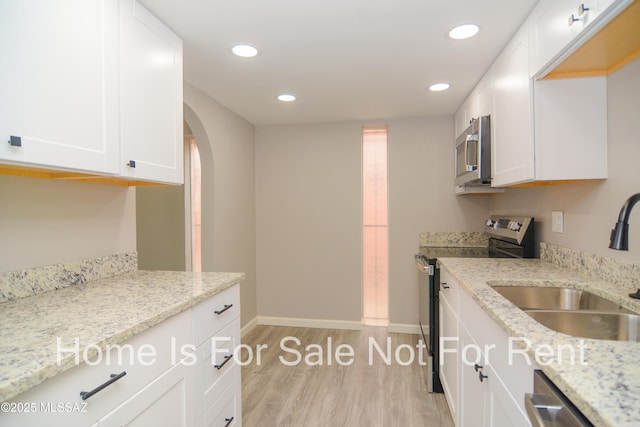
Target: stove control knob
<point>517,226</point>
<point>490,223</point>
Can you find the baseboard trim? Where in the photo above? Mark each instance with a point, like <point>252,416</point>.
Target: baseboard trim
<point>403,328</point>
<point>248,327</point>
<point>398,328</point>
<point>309,323</point>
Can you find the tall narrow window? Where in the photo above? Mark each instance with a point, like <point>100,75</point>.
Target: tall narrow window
<point>194,202</point>
<point>374,220</point>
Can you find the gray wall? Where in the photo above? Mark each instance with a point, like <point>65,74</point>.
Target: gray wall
<point>45,221</point>
<point>308,214</point>
<point>591,208</point>
<point>160,228</point>
<point>226,145</point>
<point>421,198</point>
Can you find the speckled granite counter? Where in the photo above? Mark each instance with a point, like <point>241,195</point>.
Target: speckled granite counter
<point>100,313</point>
<point>607,390</point>
<point>453,239</point>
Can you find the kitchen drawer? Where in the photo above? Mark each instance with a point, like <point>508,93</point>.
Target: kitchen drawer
<point>206,322</point>
<point>164,402</point>
<point>143,358</point>
<point>210,381</point>
<point>449,289</point>
<point>226,411</point>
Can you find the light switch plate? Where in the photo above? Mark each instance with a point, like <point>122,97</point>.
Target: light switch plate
<point>557,221</point>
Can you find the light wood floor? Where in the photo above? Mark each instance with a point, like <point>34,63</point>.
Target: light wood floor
<point>362,394</point>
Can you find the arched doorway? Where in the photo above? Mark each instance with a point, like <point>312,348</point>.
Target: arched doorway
<point>169,226</point>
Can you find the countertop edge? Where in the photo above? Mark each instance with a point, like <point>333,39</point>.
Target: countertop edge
<point>14,387</point>
<point>591,412</point>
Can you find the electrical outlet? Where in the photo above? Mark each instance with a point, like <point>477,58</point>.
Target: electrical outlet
<point>557,221</point>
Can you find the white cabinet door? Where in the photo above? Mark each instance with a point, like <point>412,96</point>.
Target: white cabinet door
<point>449,350</point>
<point>485,94</point>
<point>458,122</point>
<point>151,97</point>
<point>512,144</point>
<point>501,408</point>
<point>164,402</point>
<point>59,80</point>
<point>571,123</point>
<point>550,30</point>
<point>473,392</point>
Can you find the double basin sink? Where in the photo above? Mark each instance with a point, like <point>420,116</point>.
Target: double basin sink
<point>575,312</point>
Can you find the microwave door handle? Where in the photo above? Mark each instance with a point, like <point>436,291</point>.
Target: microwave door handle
<point>468,167</point>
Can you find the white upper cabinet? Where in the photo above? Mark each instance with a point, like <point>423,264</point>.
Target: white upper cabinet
<point>59,80</point>
<point>90,86</point>
<point>467,112</point>
<point>512,144</point>
<point>151,100</point>
<point>484,90</point>
<point>550,30</point>
<point>557,27</point>
<point>545,130</point>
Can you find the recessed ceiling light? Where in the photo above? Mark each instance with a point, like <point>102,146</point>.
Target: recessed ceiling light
<point>286,97</point>
<point>437,87</point>
<point>464,31</point>
<point>244,50</point>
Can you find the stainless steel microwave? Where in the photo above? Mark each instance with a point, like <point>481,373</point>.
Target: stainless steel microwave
<point>473,153</point>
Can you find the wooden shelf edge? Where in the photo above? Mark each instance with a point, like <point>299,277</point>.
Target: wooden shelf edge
<point>546,183</point>
<point>43,173</point>
<point>611,48</point>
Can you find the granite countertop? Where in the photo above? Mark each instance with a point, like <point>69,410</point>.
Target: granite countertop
<point>608,388</point>
<point>100,313</point>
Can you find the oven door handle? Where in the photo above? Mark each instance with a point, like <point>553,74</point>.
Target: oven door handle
<point>423,265</point>
<point>533,408</point>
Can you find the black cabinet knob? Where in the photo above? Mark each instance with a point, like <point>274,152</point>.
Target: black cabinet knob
<point>15,141</point>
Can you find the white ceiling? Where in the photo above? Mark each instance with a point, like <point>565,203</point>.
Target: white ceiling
<point>343,59</point>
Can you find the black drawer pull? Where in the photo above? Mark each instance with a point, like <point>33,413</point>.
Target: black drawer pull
<point>476,367</point>
<point>445,286</point>
<point>114,377</point>
<point>226,359</point>
<point>481,376</point>
<point>226,307</point>
<point>229,421</point>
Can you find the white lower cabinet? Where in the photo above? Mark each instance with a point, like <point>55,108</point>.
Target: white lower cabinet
<point>216,395</point>
<point>449,341</point>
<point>164,402</point>
<point>484,399</point>
<point>227,409</point>
<point>161,380</point>
<point>490,384</point>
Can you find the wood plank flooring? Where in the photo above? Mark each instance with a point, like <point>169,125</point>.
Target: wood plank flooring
<point>363,394</point>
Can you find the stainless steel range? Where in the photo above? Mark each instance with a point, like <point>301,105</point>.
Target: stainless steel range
<point>509,237</point>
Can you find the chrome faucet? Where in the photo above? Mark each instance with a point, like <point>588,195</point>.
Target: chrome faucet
<point>620,233</point>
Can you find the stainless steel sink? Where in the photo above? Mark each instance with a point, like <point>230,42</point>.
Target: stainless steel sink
<point>591,324</point>
<point>556,298</point>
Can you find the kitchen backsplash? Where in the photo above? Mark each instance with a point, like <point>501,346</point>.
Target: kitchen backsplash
<point>621,273</point>
<point>25,283</point>
<point>451,238</point>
